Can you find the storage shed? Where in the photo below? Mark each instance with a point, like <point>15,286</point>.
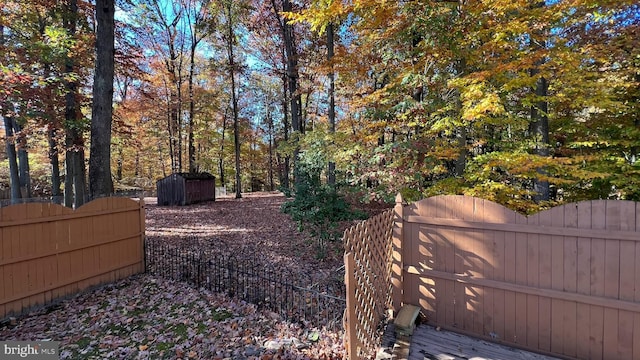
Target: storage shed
<point>186,188</point>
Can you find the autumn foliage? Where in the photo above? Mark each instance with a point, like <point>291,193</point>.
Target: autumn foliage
<point>527,103</point>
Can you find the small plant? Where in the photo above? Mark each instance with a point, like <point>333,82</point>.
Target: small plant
<point>318,208</point>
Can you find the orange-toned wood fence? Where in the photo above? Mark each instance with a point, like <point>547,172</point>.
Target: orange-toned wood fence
<point>48,251</point>
<point>368,260</point>
<point>565,281</point>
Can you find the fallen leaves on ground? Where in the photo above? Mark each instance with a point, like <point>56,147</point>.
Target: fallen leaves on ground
<point>145,317</point>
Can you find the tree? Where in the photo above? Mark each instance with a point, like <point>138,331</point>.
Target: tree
<point>5,112</point>
<point>230,39</point>
<point>331,177</point>
<point>100,182</point>
<point>196,15</point>
<point>75,183</point>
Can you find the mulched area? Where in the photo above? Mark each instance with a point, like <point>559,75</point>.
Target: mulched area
<point>147,317</point>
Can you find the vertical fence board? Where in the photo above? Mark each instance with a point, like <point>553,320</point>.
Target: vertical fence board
<point>568,217</point>
<point>521,279</point>
<point>510,277</point>
<point>627,282</point>
<point>449,259</point>
<point>596,316</point>
<point>533,273</point>
<point>496,214</point>
<point>544,310</point>
<point>426,294</point>
<point>583,281</point>
<point>611,281</point>
<point>479,260</point>
<point>459,267</point>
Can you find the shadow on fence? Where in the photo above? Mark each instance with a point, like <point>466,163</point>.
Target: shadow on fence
<point>293,296</point>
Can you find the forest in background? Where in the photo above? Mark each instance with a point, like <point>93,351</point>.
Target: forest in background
<point>527,103</point>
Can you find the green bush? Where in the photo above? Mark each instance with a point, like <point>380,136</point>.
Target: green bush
<point>318,208</point>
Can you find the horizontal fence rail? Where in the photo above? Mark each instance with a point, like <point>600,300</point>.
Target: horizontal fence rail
<point>276,289</point>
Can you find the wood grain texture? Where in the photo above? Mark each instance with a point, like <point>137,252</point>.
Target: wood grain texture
<point>48,251</point>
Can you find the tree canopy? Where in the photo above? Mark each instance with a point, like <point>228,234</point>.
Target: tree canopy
<point>528,103</point>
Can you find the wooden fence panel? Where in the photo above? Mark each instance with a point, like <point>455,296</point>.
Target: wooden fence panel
<point>48,251</point>
<point>564,281</point>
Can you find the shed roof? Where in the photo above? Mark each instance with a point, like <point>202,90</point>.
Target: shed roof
<point>194,176</point>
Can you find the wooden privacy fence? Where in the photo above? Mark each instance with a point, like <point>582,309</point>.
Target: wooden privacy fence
<point>565,281</point>
<point>48,251</point>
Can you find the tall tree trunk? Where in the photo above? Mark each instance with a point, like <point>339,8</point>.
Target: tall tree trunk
<point>54,161</point>
<point>284,178</point>
<point>192,148</point>
<point>331,176</point>
<point>100,182</point>
<point>179,124</point>
<point>270,130</point>
<point>23,161</point>
<point>291,56</point>
<point>52,138</point>
<point>539,126</point>
<point>170,126</point>
<point>539,129</point>
<point>74,158</point>
<point>195,40</point>
<point>221,158</point>
<point>292,70</point>
<point>14,176</point>
<point>234,100</point>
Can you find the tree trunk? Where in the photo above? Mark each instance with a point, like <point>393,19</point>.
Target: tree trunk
<point>23,161</point>
<point>14,176</point>
<point>55,164</point>
<point>539,126</point>
<point>234,100</point>
<point>221,158</point>
<point>100,182</point>
<point>539,129</point>
<point>192,66</point>
<point>284,178</point>
<point>292,70</point>
<point>120,161</point>
<point>292,75</point>
<point>331,176</point>
<point>270,130</point>
<point>74,157</point>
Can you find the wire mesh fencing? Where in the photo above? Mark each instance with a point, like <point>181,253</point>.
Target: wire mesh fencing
<point>291,294</point>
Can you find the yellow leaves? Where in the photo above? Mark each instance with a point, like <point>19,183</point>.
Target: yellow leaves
<point>480,100</point>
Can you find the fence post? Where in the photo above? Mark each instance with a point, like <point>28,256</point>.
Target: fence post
<point>397,258</point>
<point>350,310</point>
<point>142,214</point>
